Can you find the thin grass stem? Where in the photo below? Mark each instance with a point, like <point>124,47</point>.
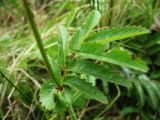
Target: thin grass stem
<point>12,84</point>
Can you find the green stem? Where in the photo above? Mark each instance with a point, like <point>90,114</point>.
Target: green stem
<point>38,39</point>
<point>72,114</point>
<point>111,104</point>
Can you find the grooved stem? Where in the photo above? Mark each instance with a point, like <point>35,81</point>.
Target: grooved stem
<point>29,15</point>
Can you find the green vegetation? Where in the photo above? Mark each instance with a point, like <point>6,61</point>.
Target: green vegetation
<point>80,60</point>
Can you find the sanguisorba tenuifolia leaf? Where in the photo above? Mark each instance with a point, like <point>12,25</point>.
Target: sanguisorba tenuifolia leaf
<point>96,48</point>
<point>99,71</point>
<point>92,20</point>
<point>86,88</point>
<point>128,110</point>
<point>116,56</point>
<point>117,34</point>
<point>153,97</point>
<point>140,91</point>
<point>47,95</point>
<point>56,71</point>
<point>63,45</point>
<point>156,87</point>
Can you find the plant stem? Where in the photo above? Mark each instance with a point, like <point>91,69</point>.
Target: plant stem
<point>72,114</point>
<point>111,104</point>
<point>38,39</point>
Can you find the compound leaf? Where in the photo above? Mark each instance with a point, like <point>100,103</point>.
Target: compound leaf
<point>87,89</point>
<point>117,34</point>
<point>116,56</point>
<point>98,71</point>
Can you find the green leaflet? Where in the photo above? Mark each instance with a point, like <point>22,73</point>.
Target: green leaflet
<point>63,45</point>
<point>154,49</point>
<point>61,56</point>
<point>116,56</point>
<point>156,87</point>
<point>92,48</point>
<point>47,95</point>
<point>151,92</point>
<point>51,98</point>
<point>55,69</point>
<point>77,38</point>
<point>80,35</point>
<point>86,88</point>
<point>140,91</point>
<point>146,116</point>
<point>98,71</point>
<point>153,41</point>
<point>117,34</point>
<point>92,20</point>
<point>128,110</point>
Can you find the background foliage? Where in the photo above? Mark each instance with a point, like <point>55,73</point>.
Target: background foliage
<point>23,72</point>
